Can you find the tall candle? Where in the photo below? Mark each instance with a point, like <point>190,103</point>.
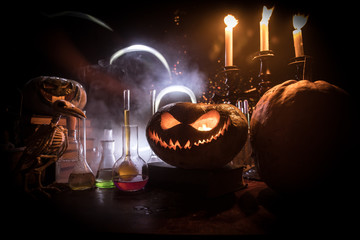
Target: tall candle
<point>230,22</point>
<point>298,21</point>
<point>264,29</point>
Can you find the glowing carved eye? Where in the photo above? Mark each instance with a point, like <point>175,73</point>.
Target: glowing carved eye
<point>168,121</point>
<point>207,121</point>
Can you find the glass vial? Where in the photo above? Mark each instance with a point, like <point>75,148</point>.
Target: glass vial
<point>130,171</point>
<point>104,174</point>
<point>81,178</point>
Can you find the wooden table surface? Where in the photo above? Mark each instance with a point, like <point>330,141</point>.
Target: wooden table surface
<point>255,209</point>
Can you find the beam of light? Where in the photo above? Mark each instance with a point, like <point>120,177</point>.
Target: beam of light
<point>141,48</point>
<point>80,15</point>
<point>174,88</point>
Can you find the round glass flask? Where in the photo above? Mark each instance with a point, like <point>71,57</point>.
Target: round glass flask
<point>130,171</point>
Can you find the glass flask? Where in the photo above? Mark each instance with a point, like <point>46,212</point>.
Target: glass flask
<point>130,171</point>
<point>81,177</point>
<point>104,174</point>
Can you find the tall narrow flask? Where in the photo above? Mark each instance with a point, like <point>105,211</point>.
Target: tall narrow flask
<point>81,177</point>
<point>104,173</point>
<point>130,171</point>
<point>126,118</point>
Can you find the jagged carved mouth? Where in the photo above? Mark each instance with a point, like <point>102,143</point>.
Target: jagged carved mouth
<point>174,145</point>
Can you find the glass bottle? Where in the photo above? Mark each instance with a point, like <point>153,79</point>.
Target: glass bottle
<point>104,174</point>
<point>130,171</point>
<point>81,177</point>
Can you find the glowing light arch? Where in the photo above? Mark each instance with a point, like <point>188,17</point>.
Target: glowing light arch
<point>174,88</point>
<point>141,48</point>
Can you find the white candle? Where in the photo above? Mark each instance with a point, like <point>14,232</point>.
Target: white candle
<point>298,21</point>
<point>298,43</point>
<point>264,29</point>
<point>230,22</point>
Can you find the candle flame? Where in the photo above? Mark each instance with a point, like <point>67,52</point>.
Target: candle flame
<point>266,14</point>
<point>230,21</point>
<point>204,128</point>
<point>299,21</point>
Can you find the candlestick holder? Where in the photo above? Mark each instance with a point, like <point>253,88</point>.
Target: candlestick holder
<point>300,68</point>
<point>263,81</point>
<point>230,85</point>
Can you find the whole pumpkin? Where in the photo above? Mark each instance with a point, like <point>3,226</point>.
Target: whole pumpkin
<point>197,136</point>
<point>300,135</point>
<point>40,92</point>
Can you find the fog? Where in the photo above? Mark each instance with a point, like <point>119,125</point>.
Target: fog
<point>140,72</point>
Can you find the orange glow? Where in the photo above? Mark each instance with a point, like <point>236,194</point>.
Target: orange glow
<point>168,121</point>
<point>188,145</point>
<point>207,121</point>
<point>204,128</point>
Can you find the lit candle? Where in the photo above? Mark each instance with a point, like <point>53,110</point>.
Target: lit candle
<point>298,21</point>
<point>264,29</point>
<point>230,22</point>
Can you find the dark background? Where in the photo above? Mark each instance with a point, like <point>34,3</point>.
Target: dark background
<point>35,44</point>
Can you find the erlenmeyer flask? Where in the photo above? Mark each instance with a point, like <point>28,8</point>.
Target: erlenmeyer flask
<point>104,173</point>
<point>130,171</point>
<point>81,177</point>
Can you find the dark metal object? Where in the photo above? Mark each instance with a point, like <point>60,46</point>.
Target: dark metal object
<point>263,79</point>
<point>300,68</point>
<point>230,85</point>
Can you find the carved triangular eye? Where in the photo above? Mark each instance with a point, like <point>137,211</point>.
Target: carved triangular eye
<point>207,122</point>
<point>168,121</point>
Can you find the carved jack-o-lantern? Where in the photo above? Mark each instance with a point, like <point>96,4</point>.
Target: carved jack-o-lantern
<point>197,136</point>
<point>41,92</point>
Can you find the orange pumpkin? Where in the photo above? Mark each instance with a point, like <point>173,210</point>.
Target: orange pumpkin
<point>300,134</point>
<point>40,92</point>
<point>197,136</point>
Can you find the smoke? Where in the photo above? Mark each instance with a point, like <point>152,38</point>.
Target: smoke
<point>139,72</point>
